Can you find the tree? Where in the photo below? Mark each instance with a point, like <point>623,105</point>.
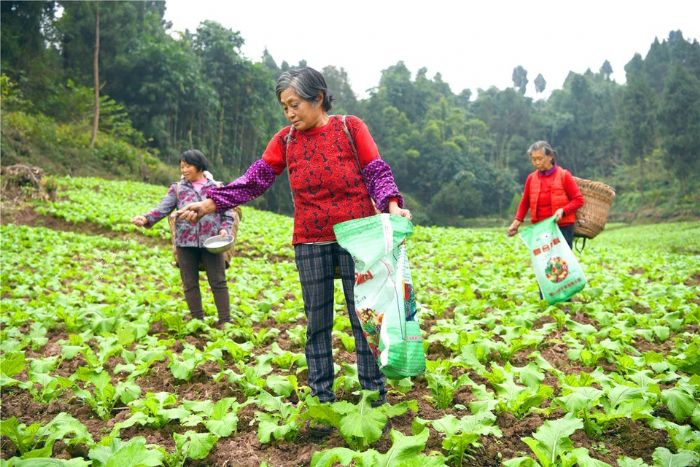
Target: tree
<point>637,123</point>
<point>507,114</point>
<point>339,87</point>
<point>28,55</point>
<point>606,70</point>
<point>96,73</point>
<point>520,79</point>
<point>540,83</point>
<point>23,38</point>
<point>679,125</point>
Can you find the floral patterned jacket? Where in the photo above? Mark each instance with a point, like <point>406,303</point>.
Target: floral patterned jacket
<point>181,194</point>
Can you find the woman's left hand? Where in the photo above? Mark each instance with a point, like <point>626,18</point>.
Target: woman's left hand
<point>395,210</point>
<point>559,213</point>
<point>223,233</point>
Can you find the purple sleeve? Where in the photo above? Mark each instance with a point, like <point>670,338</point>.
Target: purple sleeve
<point>380,184</point>
<point>257,179</point>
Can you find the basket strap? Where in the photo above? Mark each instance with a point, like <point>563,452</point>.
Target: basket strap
<point>576,243</point>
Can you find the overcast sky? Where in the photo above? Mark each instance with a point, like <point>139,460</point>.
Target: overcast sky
<point>472,43</point>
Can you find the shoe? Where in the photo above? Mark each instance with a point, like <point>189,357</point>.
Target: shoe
<point>379,402</point>
<point>320,431</point>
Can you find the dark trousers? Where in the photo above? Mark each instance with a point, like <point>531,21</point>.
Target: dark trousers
<point>189,259</point>
<point>568,232</point>
<point>316,265</point>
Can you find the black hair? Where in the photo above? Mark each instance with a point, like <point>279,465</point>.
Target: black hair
<point>196,158</point>
<point>307,83</point>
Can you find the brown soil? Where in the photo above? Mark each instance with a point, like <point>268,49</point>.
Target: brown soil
<point>626,437</point>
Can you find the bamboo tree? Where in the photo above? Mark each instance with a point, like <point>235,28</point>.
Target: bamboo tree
<point>96,75</point>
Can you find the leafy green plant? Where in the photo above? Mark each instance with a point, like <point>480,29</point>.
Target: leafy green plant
<point>347,381</point>
<point>190,445</point>
<point>220,418</point>
<point>405,451</point>
<point>282,421</point>
<point>360,425</point>
<point>104,395</point>
<point>442,385</point>
<point>133,452</point>
<point>462,434</point>
<point>286,359</point>
<point>681,402</point>
<point>580,401</point>
<point>250,380</point>
<point>155,410</point>
<point>551,442</point>
<point>11,364</point>
<point>35,440</point>
<point>663,456</point>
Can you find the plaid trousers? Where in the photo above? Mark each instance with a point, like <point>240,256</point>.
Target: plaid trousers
<point>316,265</point>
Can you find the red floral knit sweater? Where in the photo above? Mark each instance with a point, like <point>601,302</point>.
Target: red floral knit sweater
<point>326,181</point>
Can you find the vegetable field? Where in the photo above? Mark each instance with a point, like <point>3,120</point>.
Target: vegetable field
<point>101,364</point>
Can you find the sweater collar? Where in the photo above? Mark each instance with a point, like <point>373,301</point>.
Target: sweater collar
<point>548,172</point>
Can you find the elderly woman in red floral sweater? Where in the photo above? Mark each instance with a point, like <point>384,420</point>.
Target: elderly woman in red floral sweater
<point>336,174</point>
<point>549,190</point>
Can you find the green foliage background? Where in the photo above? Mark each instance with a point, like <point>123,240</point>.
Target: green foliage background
<point>459,157</point>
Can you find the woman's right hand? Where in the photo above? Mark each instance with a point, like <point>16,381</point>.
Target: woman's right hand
<point>513,229</point>
<point>139,221</point>
<point>195,211</point>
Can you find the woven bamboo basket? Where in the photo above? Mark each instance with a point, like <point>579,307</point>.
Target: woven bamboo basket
<point>592,216</point>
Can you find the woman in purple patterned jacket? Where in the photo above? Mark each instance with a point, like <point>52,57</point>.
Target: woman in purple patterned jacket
<point>189,237</point>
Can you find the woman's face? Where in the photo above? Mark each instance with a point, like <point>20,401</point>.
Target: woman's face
<point>540,160</point>
<point>190,172</point>
<point>302,114</point>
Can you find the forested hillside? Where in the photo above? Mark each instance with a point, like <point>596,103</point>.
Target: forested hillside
<point>459,157</point>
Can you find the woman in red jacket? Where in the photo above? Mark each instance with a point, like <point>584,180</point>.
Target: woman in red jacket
<point>549,190</point>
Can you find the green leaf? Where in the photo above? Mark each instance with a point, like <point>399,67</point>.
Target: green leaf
<point>363,427</point>
<point>664,457</point>
<point>194,445</point>
<point>329,457</point>
<point>689,360</point>
<point>620,394</point>
<point>133,453</point>
<point>629,462</point>
<point>21,435</point>
<point>281,385</point>
<point>223,427</point>
<point>552,439</point>
<point>531,375</point>
<point>12,363</point>
<point>661,332</point>
<point>64,424</point>
<point>521,462</point>
<point>581,398</point>
<point>273,427</point>
<point>582,458</point>
<point>48,462</point>
<point>679,403</point>
<point>323,412</point>
<point>404,449</point>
